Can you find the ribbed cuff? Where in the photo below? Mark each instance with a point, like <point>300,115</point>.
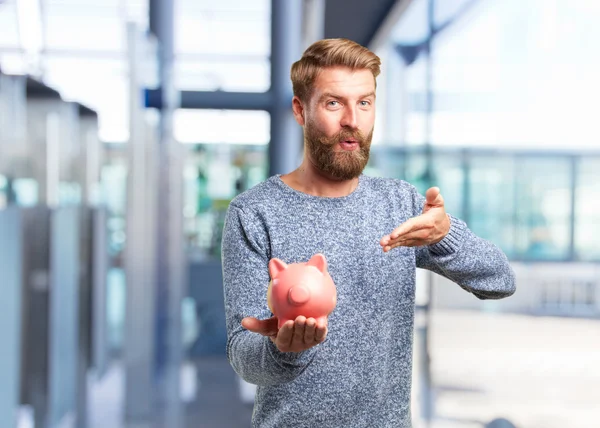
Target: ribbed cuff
<point>452,241</point>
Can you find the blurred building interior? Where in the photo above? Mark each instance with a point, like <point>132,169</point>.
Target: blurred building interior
<point>127,126</point>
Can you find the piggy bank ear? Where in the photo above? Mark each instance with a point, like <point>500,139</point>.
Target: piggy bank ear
<point>319,261</point>
<point>276,266</point>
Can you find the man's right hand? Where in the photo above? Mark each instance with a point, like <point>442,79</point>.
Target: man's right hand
<point>293,336</point>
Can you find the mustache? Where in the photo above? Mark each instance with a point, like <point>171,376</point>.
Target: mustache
<point>345,134</point>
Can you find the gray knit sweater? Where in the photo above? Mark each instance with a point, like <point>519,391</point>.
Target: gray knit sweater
<point>360,376</point>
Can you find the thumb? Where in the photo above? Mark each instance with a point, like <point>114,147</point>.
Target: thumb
<point>434,197</point>
<point>266,327</point>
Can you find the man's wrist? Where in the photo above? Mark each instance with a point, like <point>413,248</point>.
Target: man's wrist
<point>291,358</point>
<point>451,242</point>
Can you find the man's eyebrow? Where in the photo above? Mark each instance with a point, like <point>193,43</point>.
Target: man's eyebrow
<point>329,95</point>
<point>339,97</point>
<point>370,94</point>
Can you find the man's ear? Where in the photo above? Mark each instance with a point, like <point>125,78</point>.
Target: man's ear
<point>299,110</point>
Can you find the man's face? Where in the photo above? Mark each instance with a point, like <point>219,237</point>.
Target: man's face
<point>338,121</point>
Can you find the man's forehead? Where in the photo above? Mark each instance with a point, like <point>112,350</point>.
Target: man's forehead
<point>346,80</point>
<point>343,75</point>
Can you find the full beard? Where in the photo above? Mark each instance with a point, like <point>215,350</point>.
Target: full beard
<point>337,164</point>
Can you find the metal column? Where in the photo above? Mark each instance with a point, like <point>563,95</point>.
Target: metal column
<point>428,410</point>
<point>285,149</point>
<point>138,352</point>
<point>171,261</point>
<point>313,22</point>
<point>11,266</point>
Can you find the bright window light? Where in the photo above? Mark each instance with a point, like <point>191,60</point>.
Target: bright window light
<point>222,126</point>
<point>30,26</point>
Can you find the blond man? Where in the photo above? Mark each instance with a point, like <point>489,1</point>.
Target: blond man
<point>354,370</point>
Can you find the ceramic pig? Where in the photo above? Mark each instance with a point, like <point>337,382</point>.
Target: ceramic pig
<point>301,289</point>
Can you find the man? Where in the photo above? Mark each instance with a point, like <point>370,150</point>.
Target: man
<point>355,369</point>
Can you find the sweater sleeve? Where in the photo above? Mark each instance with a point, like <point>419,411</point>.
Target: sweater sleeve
<point>476,265</point>
<point>245,258</point>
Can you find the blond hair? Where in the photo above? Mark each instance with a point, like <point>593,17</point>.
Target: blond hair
<point>330,53</point>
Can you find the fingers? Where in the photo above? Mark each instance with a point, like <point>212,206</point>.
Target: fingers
<point>285,336</point>
<point>426,229</point>
<point>293,336</point>
<point>301,334</point>
<point>404,243</point>
<point>266,327</point>
<point>309,331</point>
<point>423,234</point>
<point>409,226</point>
<point>299,329</point>
<point>316,331</point>
<point>321,331</point>
<point>410,229</point>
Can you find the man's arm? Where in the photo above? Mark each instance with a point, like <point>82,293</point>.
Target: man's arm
<point>245,258</point>
<point>446,246</point>
<point>476,265</point>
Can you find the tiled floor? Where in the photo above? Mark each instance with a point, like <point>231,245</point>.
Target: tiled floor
<point>536,372</point>
<point>218,403</point>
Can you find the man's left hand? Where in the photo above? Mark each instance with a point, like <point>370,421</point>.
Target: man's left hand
<point>426,229</point>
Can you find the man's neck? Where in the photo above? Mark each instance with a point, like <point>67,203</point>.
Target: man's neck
<point>307,179</point>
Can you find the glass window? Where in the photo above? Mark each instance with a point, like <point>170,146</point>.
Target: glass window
<point>90,25</point>
<point>491,199</point>
<point>214,174</point>
<point>219,72</point>
<point>222,126</point>
<point>223,45</point>
<point>99,83</point>
<point>26,192</point>
<point>3,192</point>
<point>587,210</point>
<point>446,10</point>
<point>415,168</point>
<point>411,165</point>
<point>416,99</point>
<point>448,174</point>
<point>386,161</point>
<point>408,84</point>
<point>543,208</point>
<point>224,27</point>
<point>13,63</point>
<point>9,36</point>
<point>413,26</point>
<point>510,89</point>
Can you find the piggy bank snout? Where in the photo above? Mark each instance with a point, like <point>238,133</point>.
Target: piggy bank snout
<point>299,295</point>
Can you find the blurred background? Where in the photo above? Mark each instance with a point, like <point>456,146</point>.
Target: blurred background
<point>127,126</point>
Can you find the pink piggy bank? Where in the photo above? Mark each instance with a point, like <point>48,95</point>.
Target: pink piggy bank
<point>301,289</point>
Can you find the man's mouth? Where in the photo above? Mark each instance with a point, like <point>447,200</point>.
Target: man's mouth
<point>350,144</point>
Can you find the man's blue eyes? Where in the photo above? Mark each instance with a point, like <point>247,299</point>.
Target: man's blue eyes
<point>363,103</point>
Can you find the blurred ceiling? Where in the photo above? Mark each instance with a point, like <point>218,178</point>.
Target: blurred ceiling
<point>357,20</point>
<point>79,47</point>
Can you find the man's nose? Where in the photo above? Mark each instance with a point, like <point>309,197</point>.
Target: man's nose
<point>349,120</point>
